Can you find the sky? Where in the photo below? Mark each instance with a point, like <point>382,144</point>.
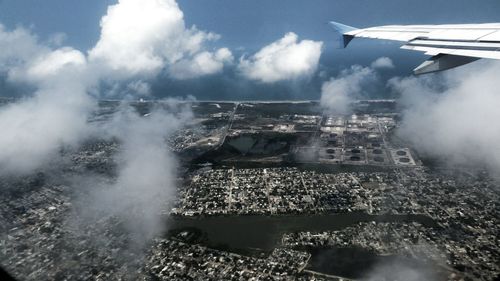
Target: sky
<point>245,27</point>
<point>250,23</point>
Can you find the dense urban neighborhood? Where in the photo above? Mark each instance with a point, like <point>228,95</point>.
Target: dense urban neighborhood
<point>265,191</point>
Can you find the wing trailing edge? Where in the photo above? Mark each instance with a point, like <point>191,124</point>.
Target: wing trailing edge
<point>442,62</point>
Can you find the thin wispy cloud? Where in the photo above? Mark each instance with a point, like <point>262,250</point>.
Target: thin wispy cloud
<point>339,92</point>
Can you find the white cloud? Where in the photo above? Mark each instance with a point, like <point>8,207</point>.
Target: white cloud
<point>144,37</point>
<point>34,129</point>
<point>17,46</point>
<point>458,123</point>
<point>51,64</point>
<point>338,93</point>
<point>24,59</point>
<point>383,62</point>
<point>284,59</point>
<point>138,39</point>
<point>146,170</point>
<point>203,63</point>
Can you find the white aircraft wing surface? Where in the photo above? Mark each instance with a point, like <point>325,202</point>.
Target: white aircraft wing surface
<point>449,45</point>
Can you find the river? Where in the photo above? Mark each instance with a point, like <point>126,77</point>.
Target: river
<point>265,232</point>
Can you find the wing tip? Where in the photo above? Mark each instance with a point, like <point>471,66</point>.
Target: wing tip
<point>342,29</point>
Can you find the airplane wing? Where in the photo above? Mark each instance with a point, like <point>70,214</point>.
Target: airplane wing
<point>449,45</point>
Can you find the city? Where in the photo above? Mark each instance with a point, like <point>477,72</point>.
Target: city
<point>298,208</point>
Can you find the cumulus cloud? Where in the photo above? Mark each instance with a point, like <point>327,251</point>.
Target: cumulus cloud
<point>23,59</point>
<point>452,116</point>
<point>383,62</point>
<point>53,64</point>
<point>138,39</point>
<point>284,59</point>
<point>17,46</point>
<point>145,37</point>
<point>34,129</point>
<point>203,63</point>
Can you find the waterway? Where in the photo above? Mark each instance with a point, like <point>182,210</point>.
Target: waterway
<point>260,234</point>
<point>265,232</point>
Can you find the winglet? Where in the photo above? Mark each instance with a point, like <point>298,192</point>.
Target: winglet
<point>343,29</point>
